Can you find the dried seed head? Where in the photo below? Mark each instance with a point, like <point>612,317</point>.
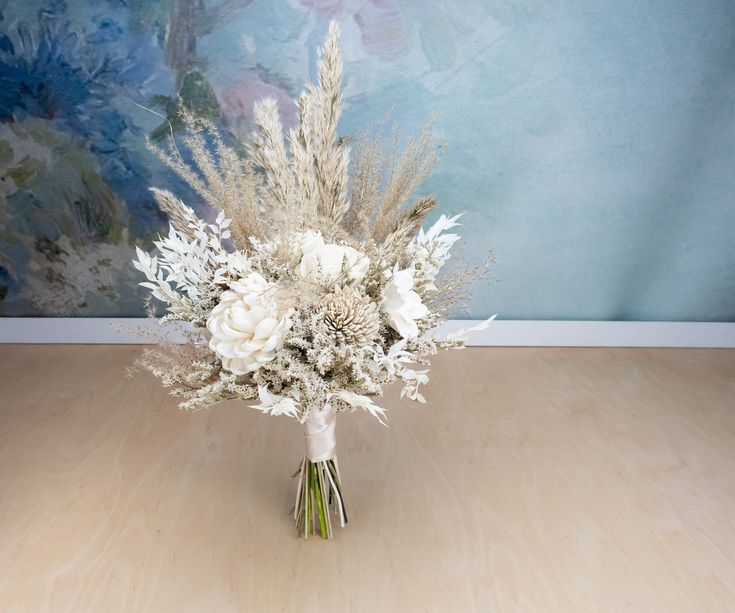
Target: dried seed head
<point>351,319</point>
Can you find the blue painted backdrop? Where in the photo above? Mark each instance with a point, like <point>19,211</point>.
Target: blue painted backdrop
<point>592,143</point>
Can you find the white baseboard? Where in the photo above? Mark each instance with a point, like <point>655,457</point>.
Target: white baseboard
<point>499,334</point>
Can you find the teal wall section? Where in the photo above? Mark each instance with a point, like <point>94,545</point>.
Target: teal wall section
<point>591,143</point>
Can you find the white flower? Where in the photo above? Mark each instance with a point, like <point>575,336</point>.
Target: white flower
<point>402,305</point>
<point>327,262</point>
<point>246,326</point>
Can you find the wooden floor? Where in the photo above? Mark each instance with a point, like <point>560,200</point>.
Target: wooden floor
<point>534,480</point>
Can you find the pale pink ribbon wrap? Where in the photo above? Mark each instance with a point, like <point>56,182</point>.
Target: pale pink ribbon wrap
<point>320,434</point>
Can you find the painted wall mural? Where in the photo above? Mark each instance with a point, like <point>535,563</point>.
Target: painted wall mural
<point>593,143</point>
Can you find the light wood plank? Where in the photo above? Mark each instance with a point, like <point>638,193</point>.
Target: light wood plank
<point>533,480</point>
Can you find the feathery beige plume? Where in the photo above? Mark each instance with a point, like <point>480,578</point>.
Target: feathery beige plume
<point>409,222</point>
<point>331,155</point>
<point>179,215</point>
<point>221,177</point>
<point>414,164</point>
<point>269,152</point>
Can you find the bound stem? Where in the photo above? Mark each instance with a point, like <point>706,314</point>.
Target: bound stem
<point>319,501</point>
<point>307,516</point>
<point>318,491</point>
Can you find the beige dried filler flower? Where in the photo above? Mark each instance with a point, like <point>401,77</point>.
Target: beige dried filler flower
<point>350,318</point>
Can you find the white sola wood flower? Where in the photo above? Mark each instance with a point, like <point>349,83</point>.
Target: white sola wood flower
<point>328,262</point>
<point>402,305</point>
<point>246,326</point>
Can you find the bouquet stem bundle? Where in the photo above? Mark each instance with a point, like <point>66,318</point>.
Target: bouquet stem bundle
<point>318,498</point>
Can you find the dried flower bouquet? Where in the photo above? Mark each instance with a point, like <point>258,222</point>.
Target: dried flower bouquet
<point>314,288</point>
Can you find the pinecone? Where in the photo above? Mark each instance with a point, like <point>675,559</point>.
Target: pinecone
<point>350,318</point>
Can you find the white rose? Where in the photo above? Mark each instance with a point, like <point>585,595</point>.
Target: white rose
<point>246,326</point>
<point>402,305</point>
<point>327,262</point>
